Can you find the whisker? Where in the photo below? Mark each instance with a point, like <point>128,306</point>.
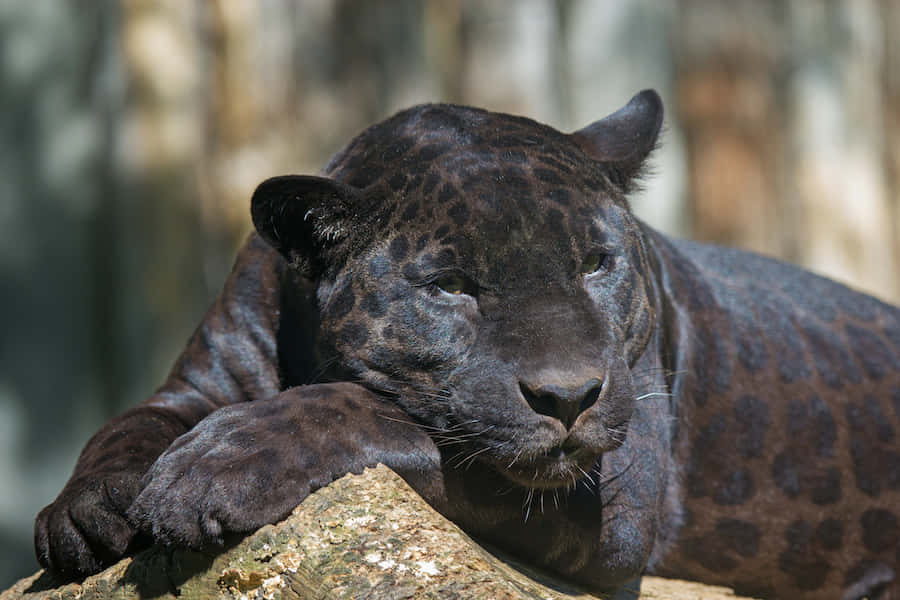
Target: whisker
<point>404,421</point>
<point>526,505</point>
<point>430,428</point>
<point>322,369</point>
<point>515,458</point>
<point>586,474</point>
<point>469,459</point>
<point>653,395</point>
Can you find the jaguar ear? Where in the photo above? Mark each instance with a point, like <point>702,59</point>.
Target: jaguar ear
<point>301,216</point>
<point>624,139</point>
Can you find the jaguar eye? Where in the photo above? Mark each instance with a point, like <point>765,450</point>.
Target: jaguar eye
<point>452,284</point>
<point>595,262</point>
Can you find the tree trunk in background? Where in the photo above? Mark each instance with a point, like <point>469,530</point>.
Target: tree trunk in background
<point>790,117</point>
<point>839,142</point>
<point>55,177</point>
<point>729,102</point>
<point>171,248</point>
<point>891,79</point>
<point>443,35</point>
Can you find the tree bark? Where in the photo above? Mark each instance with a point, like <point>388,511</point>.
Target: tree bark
<point>366,536</point>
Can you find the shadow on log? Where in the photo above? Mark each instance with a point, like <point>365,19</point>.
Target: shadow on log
<point>365,536</point>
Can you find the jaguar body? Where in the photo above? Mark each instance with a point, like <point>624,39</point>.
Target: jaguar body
<point>467,298</point>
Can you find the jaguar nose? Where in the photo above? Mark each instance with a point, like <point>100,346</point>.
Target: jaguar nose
<point>561,402</point>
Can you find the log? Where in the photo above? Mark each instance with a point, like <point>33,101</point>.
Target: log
<point>364,536</point>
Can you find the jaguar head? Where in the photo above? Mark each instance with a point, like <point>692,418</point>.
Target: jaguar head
<point>486,272</point>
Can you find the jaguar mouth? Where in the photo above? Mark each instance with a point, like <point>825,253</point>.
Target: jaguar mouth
<point>558,467</point>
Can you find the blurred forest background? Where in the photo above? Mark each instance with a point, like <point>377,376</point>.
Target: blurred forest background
<point>132,134</point>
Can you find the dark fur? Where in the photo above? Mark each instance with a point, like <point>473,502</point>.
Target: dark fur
<point>600,400</point>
